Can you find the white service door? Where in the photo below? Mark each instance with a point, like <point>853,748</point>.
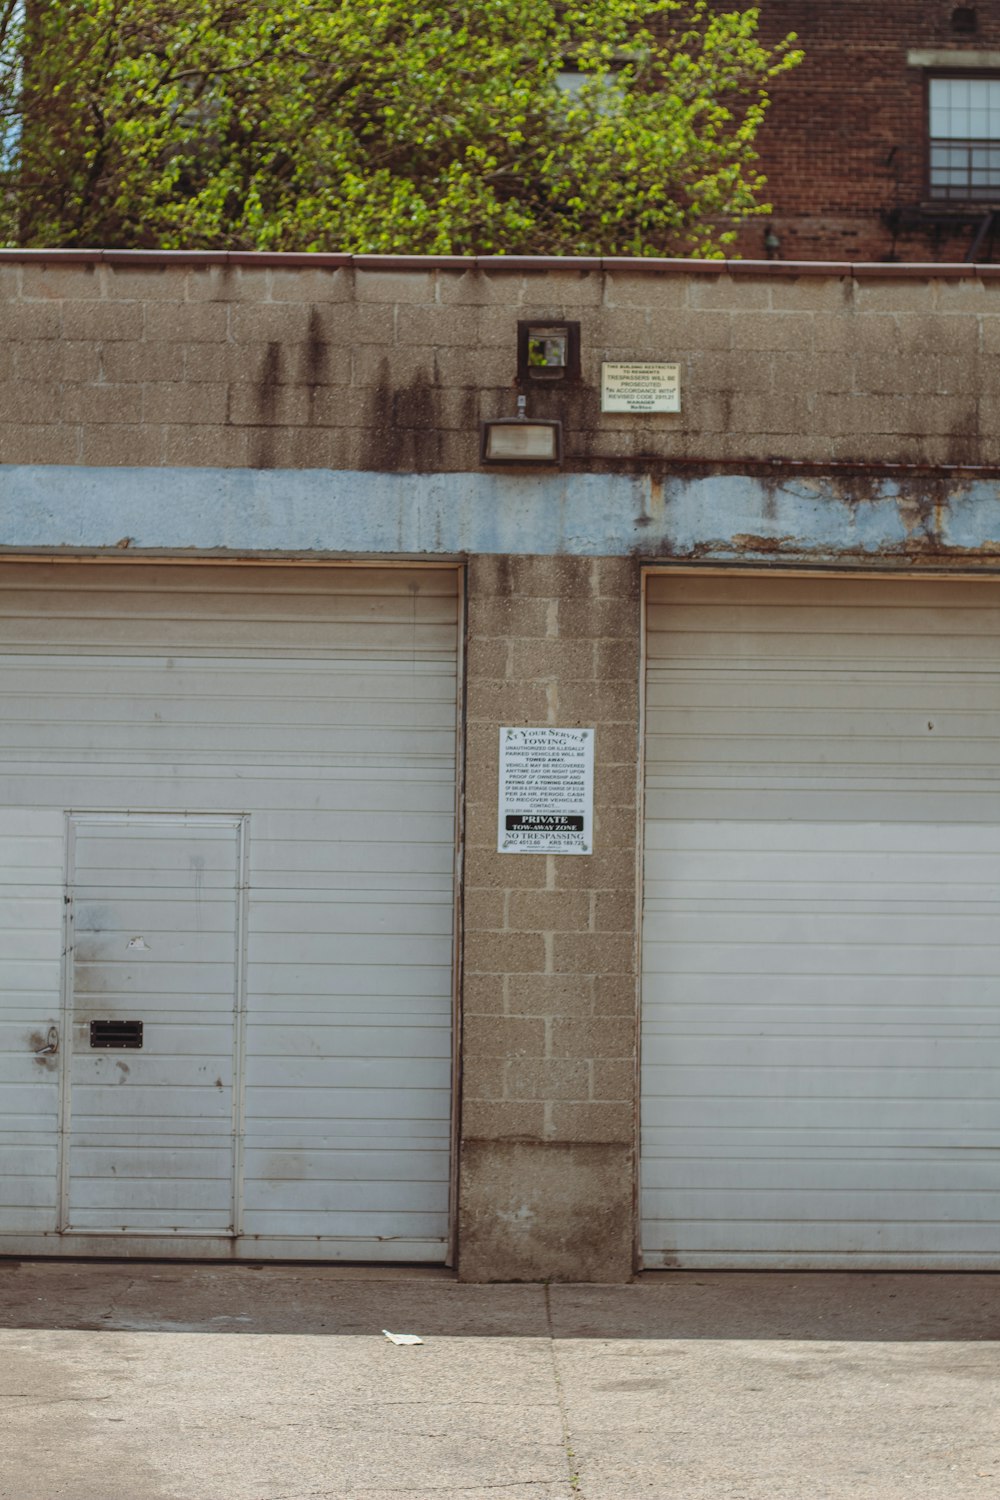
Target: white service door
<point>315,709</point>
<point>821,939</point>
<point>153,961</point>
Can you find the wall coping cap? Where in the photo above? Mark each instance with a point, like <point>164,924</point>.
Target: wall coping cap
<point>519,264</point>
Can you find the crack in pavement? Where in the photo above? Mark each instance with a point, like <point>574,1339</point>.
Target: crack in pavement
<point>422,1489</point>
<point>573,1476</point>
<point>504,1405</point>
<point>46,1400</point>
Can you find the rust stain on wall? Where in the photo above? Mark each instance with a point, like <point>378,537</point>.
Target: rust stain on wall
<point>48,1061</point>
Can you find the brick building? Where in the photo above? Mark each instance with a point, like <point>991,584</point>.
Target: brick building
<point>271,984</point>
<point>884,144</point>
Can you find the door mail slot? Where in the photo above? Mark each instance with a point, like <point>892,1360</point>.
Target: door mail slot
<point>116,1033</point>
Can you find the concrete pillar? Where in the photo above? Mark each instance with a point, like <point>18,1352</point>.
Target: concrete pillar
<point>549,991</point>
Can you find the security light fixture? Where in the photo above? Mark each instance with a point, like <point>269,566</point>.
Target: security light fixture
<point>772,244</point>
<point>521,439</point>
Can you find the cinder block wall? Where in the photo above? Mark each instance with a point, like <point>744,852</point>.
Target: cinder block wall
<point>391,370</point>
<point>550,1022</point>
<point>351,367</point>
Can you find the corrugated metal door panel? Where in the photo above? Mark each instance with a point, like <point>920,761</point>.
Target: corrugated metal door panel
<point>155,935</point>
<point>322,703</point>
<point>821,949</point>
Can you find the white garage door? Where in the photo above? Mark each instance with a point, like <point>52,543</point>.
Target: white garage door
<point>227,800</point>
<point>821,974</point>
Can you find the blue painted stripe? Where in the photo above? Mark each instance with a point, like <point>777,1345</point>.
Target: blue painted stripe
<point>335,513</point>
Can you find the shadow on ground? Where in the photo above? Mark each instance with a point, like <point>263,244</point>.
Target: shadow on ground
<point>886,1307</point>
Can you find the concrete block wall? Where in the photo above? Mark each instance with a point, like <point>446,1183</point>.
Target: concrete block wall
<point>203,363</point>
<point>549,1005</point>
<point>339,366</point>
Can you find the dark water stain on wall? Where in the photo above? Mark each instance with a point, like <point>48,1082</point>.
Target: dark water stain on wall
<point>314,358</point>
<point>262,446</point>
<point>403,424</point>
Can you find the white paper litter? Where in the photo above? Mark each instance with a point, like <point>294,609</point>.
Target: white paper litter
<point>402,1338</point>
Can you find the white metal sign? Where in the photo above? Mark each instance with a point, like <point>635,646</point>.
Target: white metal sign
<point>645,386</point>
<point>546,791</point>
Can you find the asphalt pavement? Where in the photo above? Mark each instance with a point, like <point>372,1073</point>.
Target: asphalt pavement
<point>132,1381</point>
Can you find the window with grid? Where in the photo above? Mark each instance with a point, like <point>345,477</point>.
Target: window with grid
<point>965,139</point>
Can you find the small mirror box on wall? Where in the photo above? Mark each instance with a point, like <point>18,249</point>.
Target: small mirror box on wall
<point>547,352</point>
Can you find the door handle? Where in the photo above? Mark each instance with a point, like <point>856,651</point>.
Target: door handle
<point>51,1044</point>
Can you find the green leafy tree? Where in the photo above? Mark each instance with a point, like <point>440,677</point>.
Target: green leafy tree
<point>385,126</point>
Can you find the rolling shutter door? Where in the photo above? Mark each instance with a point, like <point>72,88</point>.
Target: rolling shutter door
<point>821,941</point>
<point>256,769</point>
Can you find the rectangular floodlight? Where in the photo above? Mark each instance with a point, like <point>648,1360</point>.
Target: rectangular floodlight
<point>521,440</point>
